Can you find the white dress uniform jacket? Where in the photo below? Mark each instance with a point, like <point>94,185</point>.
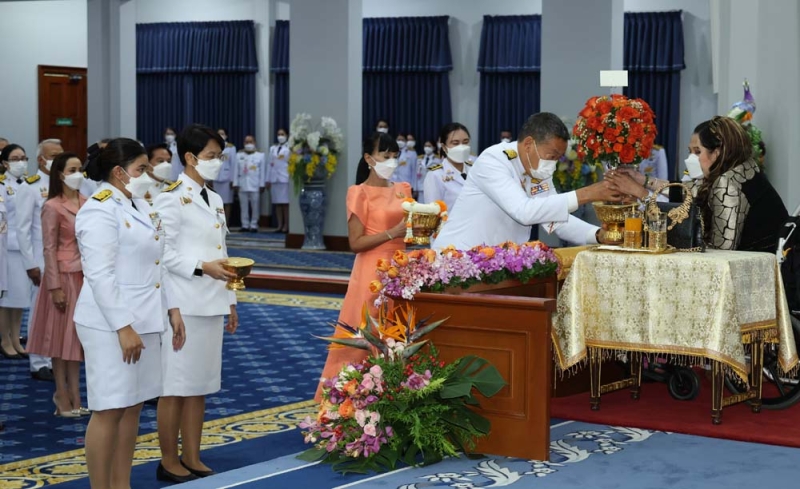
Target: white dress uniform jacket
<point>177,166</point>
<point>656,165</point>
<point>444,182</point>
<point>500,203</point>
<point>222,185</point>
<point>251,171</point>
<point>195,232</point>
<point>126,282</point>
<point>30,199</point>
<point>88,186</point>
<point>278,168</point>
<point>3,242</point>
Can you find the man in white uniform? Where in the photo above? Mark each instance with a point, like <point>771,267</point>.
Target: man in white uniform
<point>510,188</point>
<point>223,185</point>
<point>29,214</point>
<point>3,252</point>
<point>249,179</point>
<point>656,165</point>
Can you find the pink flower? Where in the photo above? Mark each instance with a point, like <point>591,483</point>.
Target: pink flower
<point>376,371</point>
<point>369,430</point>
<point>367,384</point>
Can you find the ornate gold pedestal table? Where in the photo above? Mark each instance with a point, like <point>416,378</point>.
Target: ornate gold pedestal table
<point>688,307</point>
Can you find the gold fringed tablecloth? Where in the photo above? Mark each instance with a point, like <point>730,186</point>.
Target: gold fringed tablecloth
<point>686,305</point>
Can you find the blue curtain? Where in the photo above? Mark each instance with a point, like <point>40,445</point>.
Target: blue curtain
<point>509,62</point>
<point>195,72</point>
<point>654,60</point>
<point>406,62</point>
<point>280,72</point>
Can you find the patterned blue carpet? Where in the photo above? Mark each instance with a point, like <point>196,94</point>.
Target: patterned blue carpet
<point>271,361</point>
<point>300,260</point>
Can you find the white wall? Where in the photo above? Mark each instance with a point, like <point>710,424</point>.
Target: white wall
<point>35,33</point>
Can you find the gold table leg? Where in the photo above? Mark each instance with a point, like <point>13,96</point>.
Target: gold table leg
<point>595,361</point>
<point>717,382</point>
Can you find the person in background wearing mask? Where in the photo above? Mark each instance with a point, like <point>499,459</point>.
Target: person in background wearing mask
<point>375,230</point>
<point>510,189</point>
<point>223,185</point>
<point>405,172</point>
<point>382,126</point>
<point>505,137</point>
<point>54,334</point>
<point>3,144</point>
<point>249,180</point>
<point>159,169</point>
<point>194,255</point>
<point>408,156</point>
<point>278,179</point>
<point>3,251</point>
<point>30,201</point>
<point>169,140</point>
<point>425,162</point>
<point>445,181</point>
<point>19,289</point>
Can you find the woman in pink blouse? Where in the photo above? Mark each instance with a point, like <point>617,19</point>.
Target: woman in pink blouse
<point>54,334</point>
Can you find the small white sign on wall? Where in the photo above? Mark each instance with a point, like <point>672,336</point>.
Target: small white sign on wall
<point>614,78</point>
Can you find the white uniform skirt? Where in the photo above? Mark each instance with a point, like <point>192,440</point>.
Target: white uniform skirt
<point>280,193</point>
<point>196,369</point>
<point>224,190</point>
<point>20,287</point>
<point>111,383</point>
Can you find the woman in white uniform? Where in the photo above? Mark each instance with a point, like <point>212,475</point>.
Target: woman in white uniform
<point>18,293</point>
<point>160,157</point>
<point>122,308</point>
<point>223,185</point>
<point>278,180</point>
<point>195,251</point>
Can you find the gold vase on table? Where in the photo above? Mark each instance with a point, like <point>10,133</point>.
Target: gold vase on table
<point>612,219</point>
<point>423,226</point>
<point>241,267</point>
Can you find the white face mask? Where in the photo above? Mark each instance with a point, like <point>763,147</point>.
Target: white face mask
<point>209,169</point>
<point>401,144</point>
<point>428,150</point>
<point>249,147</point>
<point>169,138</point>
<point>505,140</point>
<point>281,139</point>
<point>382,129</point>
<point>438,145</point>
<point>163,170</point>
<point>693,166</point>
<point>410,144</point>
<point>17,168</point>
<point>385,168</point>
<point>138,186</point>
<point>74,180</point>
<point>546,167</point>
<point>458,154</point>
<point>48,164</point>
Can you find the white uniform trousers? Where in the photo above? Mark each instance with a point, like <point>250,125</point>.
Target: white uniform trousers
<point>248,201</point>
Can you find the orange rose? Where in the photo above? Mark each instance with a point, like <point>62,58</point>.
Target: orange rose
<point>383,265</point>
<point>393,272</point>
<point>400,258</point>
<point>430,255</point>
<point>351,387</point>
<point>627,154</point>
<point>346,409</point>
<point>375,286</point>
<point>487,252</point>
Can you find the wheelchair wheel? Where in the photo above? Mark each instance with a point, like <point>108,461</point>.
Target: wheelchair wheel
<point>683,384</point>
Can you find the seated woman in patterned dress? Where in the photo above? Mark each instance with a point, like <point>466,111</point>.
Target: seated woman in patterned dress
<point>740,208</point>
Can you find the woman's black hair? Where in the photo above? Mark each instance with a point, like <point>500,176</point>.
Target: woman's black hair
<point>194,138</point>
<point>377,142</point>
<point>56,170</point>
<point>118,152</point>
<point>450,128</point>
<point>6,153</point>
<point>155,147</point>
<point>168,128</point>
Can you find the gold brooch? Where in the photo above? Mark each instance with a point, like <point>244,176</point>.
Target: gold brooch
<point>127,224</point>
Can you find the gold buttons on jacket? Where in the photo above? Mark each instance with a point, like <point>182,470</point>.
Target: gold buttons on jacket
<point>216,225</point>
<point>158,286</point>
<point>158,262</point>
<point>219,247</point>
<point>156,237</point>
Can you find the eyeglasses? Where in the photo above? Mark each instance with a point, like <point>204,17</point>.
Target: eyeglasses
<point>17,159</point>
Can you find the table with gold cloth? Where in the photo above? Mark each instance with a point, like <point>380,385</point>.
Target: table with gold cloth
<point>687,306</point>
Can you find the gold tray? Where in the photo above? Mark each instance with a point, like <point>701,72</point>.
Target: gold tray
<point>670,249</point>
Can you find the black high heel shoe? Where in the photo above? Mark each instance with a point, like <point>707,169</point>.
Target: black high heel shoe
<point>164,475</point>
<point>15,356</point>
<point>198,473</point>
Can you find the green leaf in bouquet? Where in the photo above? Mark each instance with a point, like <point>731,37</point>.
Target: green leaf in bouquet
<point>313,454</point>
<point>401,406</point>
<point>374,340</point>
<point>430,457</point>
<point>426,329</point>
<point>455,387</point>
<point>410,456</point>
<point>488,381</point>
<point>470,364</point>
<point>478,422</point>
<point>360,343</point>
<point>413,348</point>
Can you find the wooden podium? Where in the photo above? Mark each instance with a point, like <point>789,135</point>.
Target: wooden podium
<point>508,325</point>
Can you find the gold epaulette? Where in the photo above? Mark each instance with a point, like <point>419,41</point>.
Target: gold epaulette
<point>85,175</point>
<point>435,167</point>
<point>419,157</point>
<point>657,147</point>
<point>3,178</point>
<point>33,179</point>
<point>229,145</point>
<point>469,163</point>
<point>173,186</point>
<point>510,154</point>
<point>685,172</point>
<point>102,195</point>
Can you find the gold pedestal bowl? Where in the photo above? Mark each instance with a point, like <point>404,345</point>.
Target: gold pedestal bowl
<point>612,217</point>
<point>241,267</point>
<point>423,226</point>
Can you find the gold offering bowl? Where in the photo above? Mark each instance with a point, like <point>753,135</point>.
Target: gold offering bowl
<point>242,268</point>
<point>423,226</point>
<point>612,217</point>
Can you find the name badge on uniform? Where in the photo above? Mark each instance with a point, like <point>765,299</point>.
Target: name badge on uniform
<point>43,191</point>
<point>253,167</point>
<point>186,200</point>
<point>540,188</point>
<point>155,218</point>
<point>447,178</point>
<point>649,169</point>
<point>10,191</point>
<point>281,156</point>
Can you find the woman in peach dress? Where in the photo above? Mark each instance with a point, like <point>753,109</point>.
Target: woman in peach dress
<point>375,230</point>
<point>54,334</point>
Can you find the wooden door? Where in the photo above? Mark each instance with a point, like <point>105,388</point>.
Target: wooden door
<point>63,107</point>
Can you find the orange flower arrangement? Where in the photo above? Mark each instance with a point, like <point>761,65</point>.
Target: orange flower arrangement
<point>615,130</point>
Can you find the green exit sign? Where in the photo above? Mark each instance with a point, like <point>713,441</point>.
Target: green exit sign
<point>64,121</point>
